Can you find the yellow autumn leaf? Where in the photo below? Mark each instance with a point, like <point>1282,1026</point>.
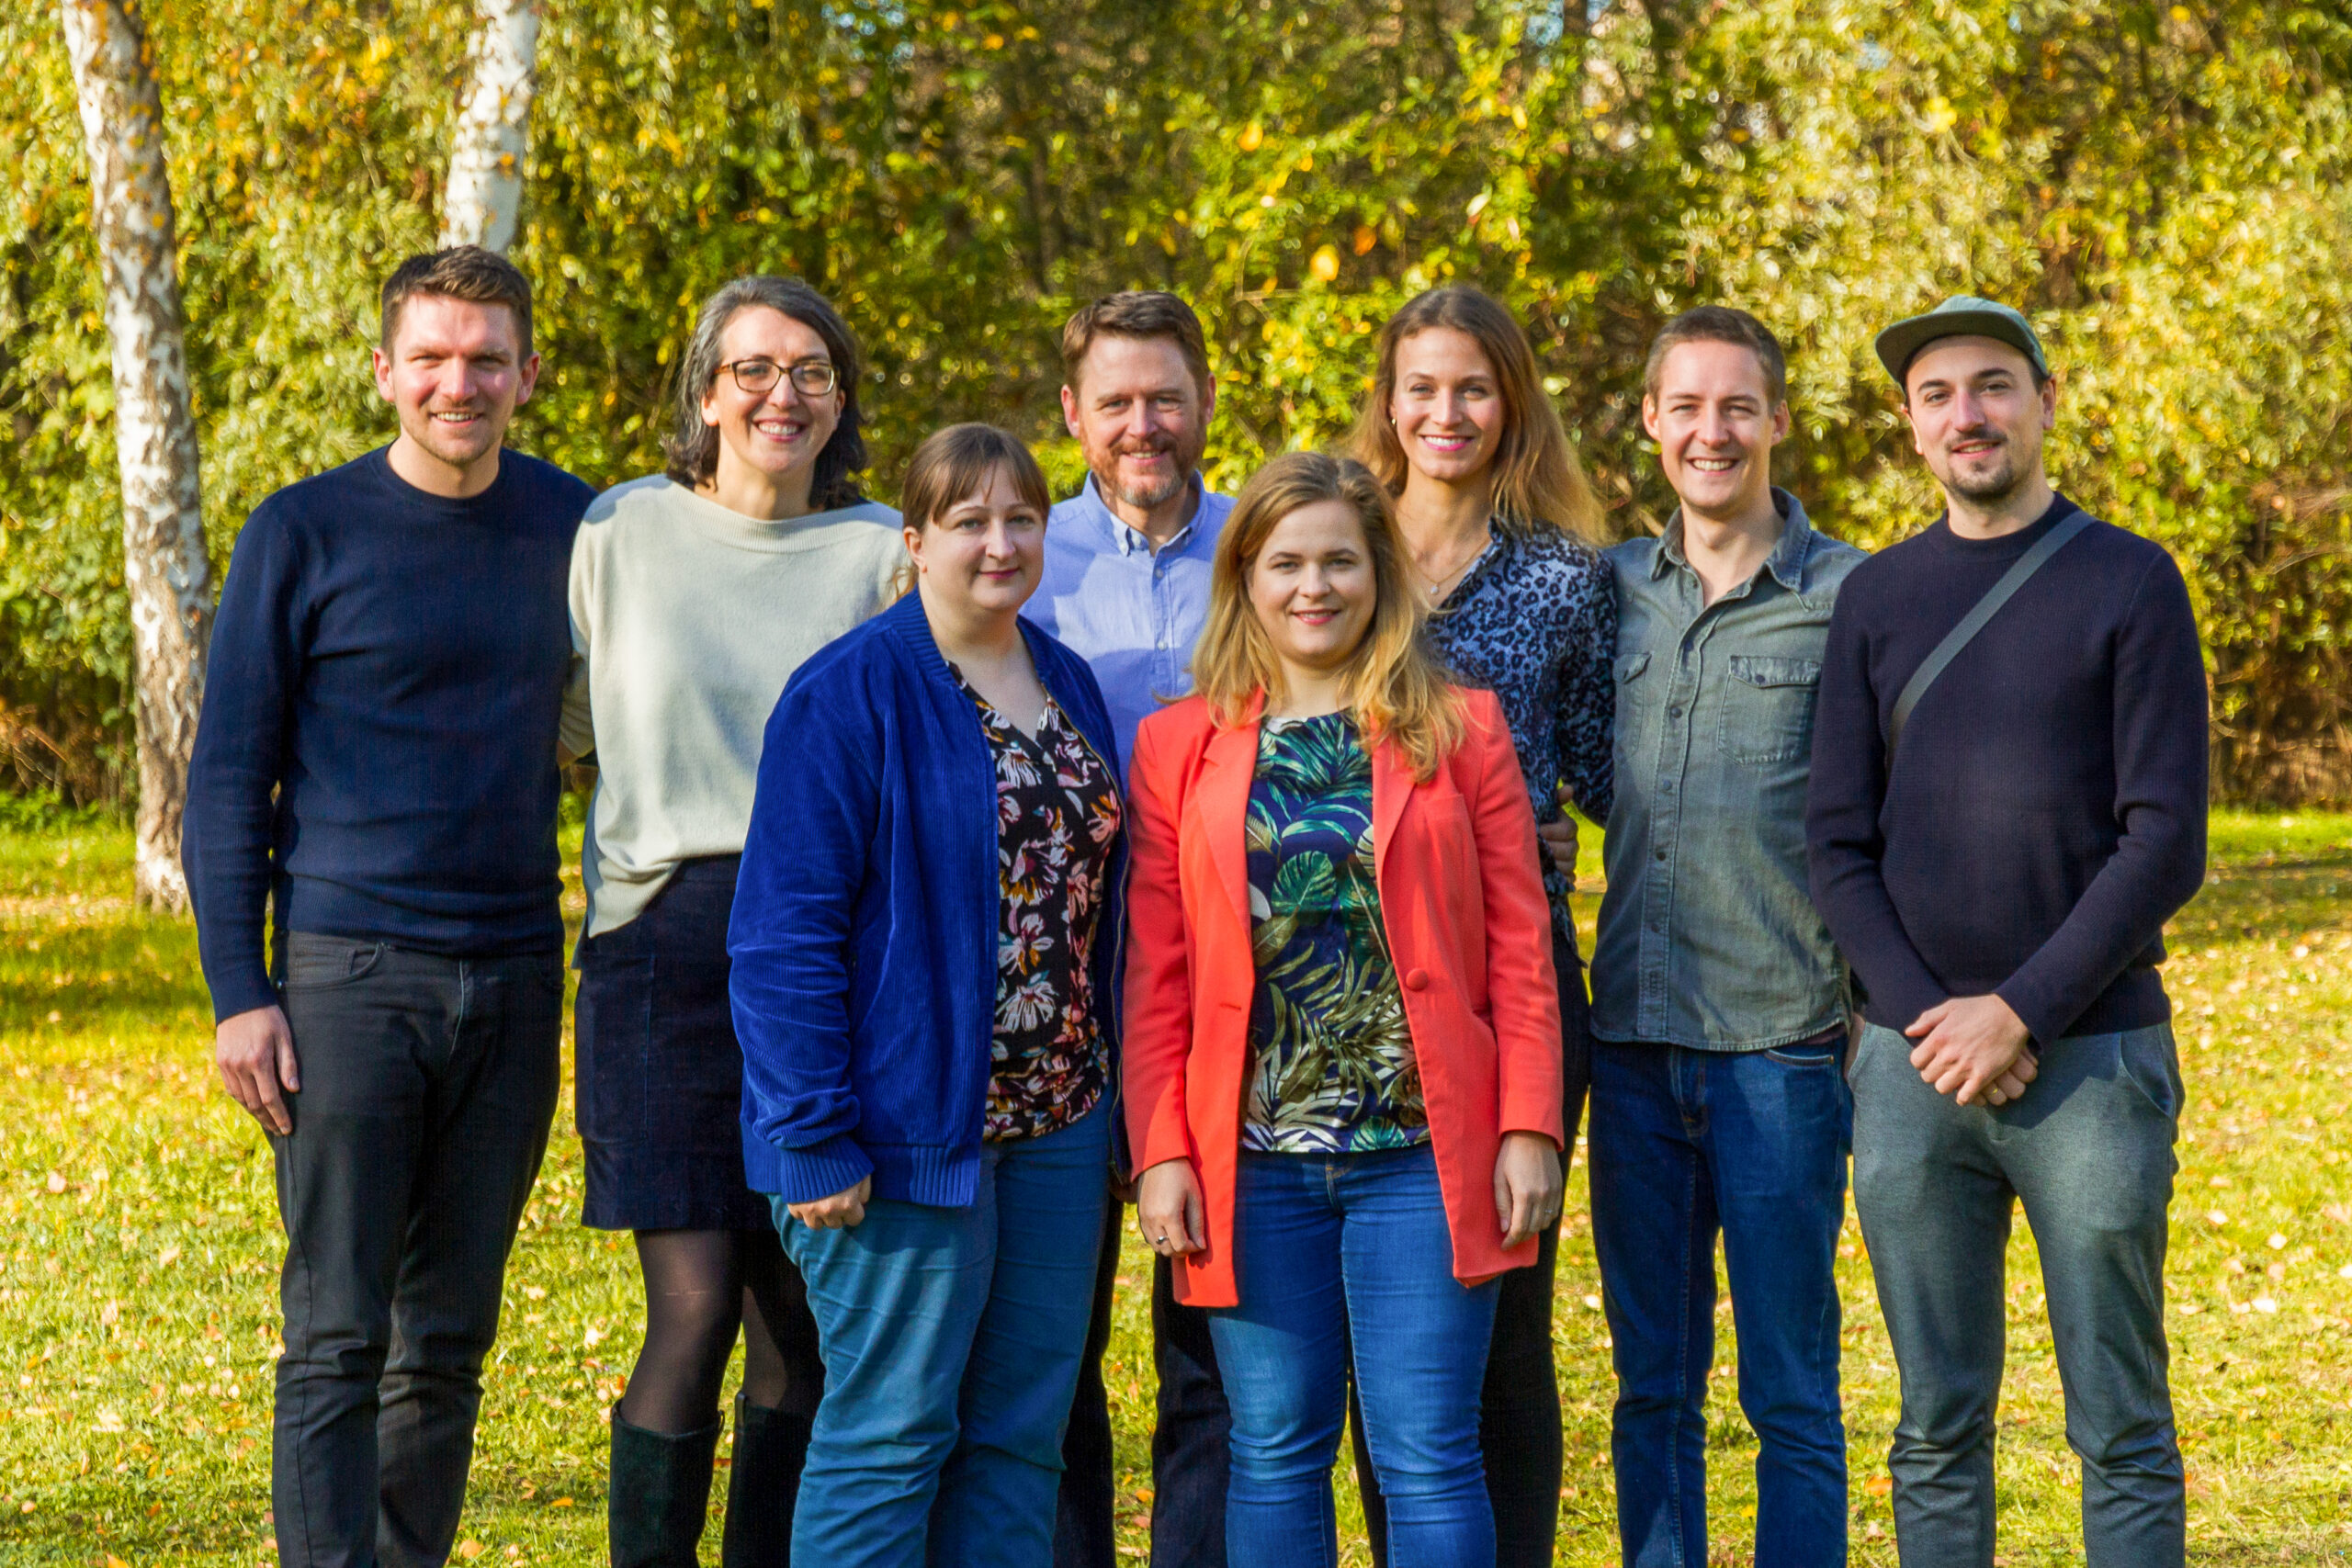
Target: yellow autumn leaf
<point>1325,263</point>
<point>1251,136</point>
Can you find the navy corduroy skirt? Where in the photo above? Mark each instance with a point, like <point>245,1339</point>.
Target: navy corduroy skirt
<point>660,1075</point>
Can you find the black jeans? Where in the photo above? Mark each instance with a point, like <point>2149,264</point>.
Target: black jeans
<point>1190,1456</point>
<point>429,1086</point>
<point>1519,1411</point>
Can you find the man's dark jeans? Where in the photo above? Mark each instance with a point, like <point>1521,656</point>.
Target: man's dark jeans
<point>1191,1458</point>
<point>1519,1410</point>
<point>1686,1143</point>
<point>429,1086</point>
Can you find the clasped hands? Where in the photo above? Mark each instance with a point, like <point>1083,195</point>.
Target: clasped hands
<point>1528,1191</point>
<point>1973,1046</point>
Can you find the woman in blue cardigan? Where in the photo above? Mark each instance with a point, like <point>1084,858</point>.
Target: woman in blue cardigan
<point>923,942</point>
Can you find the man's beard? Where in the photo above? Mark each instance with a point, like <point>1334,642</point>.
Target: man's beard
<point>1988,484</point>
<point>1145,499</point>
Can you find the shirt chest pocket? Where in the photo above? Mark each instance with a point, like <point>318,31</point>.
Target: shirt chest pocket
<point>1767,710</point>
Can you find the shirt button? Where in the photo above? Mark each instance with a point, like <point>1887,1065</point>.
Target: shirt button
<point>1417,979</point>
<point>1661,854</point>
<point>1674,713</point>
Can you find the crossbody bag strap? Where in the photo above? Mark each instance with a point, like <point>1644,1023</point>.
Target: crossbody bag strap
<point>1984,610</point>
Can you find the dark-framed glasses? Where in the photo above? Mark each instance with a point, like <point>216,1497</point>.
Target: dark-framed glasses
<point>812,378</point>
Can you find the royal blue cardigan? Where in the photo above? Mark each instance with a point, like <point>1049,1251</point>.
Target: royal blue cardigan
<point>865,929</point>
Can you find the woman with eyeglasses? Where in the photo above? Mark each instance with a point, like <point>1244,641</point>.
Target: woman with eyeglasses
<point>696,593</point>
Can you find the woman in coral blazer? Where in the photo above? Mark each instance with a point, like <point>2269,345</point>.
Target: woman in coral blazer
<point>1342,1037</point>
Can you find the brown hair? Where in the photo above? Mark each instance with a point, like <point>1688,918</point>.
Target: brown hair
<point>1720,324</point>
<point>1538,482</point>
<point>1139,313</point>
<point>1396,687</point>
<point>692,446</point>
<point>954,463</point>
<point>461,272</point>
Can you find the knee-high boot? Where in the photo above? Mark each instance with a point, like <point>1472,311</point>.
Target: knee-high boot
<point>659,1493</point>
<point>761,1486</point>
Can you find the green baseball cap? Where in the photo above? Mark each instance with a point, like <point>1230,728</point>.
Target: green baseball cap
<point>1962,315</point>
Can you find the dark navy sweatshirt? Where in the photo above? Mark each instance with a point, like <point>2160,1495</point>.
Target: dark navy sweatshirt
<point>378,747</point>
<point>2045,812</point>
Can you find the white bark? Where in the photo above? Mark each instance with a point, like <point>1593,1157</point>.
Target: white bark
<point>493,126</point>
<point>165,567</point>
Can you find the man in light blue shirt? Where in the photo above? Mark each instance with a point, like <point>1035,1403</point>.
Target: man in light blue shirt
<point>1126,584</point>
<point>1127,580</point>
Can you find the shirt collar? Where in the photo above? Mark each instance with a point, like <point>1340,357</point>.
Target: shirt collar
<point>1786,563</point>
<point>1132,540</point>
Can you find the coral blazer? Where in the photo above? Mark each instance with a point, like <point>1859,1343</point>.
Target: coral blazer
<point>1464,906</point>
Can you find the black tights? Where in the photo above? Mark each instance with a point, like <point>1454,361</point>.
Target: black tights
<point>700,1287</point>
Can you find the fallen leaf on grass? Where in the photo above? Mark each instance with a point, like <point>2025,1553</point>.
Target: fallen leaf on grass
<point>471,1550</point>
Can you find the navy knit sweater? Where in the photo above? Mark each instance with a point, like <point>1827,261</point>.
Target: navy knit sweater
<point>377,749</point>
<point>2045,813</point>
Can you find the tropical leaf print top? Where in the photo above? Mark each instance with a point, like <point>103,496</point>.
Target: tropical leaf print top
<point>1057,814</point>
<point>1332,1070</point>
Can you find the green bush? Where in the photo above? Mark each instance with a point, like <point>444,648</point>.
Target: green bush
<point>2160,185</point>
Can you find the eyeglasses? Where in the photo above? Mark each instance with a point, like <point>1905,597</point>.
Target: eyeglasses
<point>813,377</point>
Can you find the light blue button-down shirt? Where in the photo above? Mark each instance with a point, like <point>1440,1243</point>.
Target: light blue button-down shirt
<point>1130,612</point>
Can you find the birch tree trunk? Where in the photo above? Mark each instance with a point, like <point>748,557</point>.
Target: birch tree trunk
<point>493,126</point>
<point>163,524</point>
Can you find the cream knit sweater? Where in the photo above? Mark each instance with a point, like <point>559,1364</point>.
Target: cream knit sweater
<point>687,621</point>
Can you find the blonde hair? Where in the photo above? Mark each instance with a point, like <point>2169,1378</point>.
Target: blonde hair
<point>1396,687</point>
<point>1538,483</point>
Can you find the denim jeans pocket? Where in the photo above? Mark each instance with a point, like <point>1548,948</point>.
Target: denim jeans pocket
<point>1803,1055</point>
<point>2149,1059</point>
<point>313,962</point>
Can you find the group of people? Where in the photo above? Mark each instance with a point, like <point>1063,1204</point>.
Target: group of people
<point>962,874</point>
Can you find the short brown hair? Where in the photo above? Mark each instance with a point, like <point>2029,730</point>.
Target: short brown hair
<point>954,463</point>
<point>1141,313</point>
<point>461,272</point>
<point>1397,689</point>
<point>1720,324</point>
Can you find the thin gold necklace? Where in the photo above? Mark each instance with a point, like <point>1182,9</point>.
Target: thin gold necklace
<point>1437,587</point>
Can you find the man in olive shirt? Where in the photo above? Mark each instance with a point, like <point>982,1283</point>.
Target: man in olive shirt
<point>1719,1011</point>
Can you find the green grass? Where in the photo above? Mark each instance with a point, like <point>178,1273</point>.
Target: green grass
<point>138,1247</point>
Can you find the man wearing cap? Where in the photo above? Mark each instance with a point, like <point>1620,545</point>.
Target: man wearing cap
<point>2007,802</point>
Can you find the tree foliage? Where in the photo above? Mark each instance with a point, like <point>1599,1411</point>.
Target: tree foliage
<point>2162,187</point>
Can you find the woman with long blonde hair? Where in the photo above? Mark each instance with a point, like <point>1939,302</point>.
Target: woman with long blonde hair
<point>1342,1026</point>
<point>1500,527</point>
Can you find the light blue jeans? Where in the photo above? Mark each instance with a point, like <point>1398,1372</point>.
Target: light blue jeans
<point>1329,1250</point>
<point>952,1339</point>
<point>2087,1149</point>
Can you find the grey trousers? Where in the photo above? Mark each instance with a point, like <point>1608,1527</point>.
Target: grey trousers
<point>2088,1150</point>
<point>428,1085</point>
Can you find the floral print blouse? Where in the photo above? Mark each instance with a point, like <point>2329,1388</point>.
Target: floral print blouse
<point>1332,1066</point>
<point>1534,621</point>
<point>1058,815</point>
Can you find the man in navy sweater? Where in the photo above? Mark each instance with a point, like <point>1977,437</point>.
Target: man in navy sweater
<point>1998,868</point>
<point>377,760</point>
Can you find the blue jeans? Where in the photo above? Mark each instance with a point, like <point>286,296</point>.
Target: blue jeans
<point>1326,1251</point>
<point>1685,1144</point>
<point>2087,1150</point>
<point>952,1339</point>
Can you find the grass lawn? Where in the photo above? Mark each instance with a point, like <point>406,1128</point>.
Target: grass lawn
<point>139,1249</point>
